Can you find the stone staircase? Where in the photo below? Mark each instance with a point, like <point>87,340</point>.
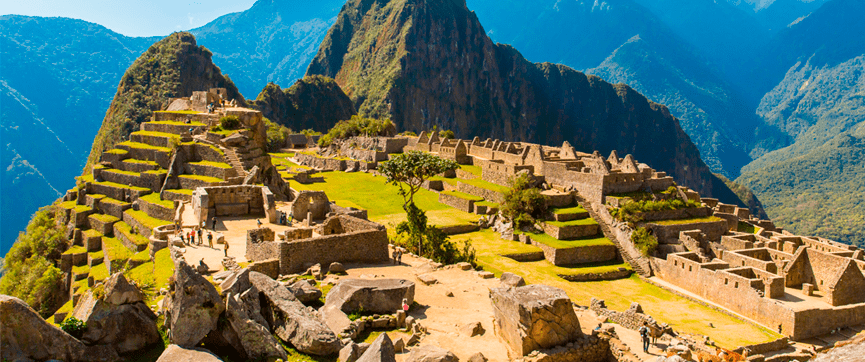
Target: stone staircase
<point>234,161</point>
<point>609,234</point>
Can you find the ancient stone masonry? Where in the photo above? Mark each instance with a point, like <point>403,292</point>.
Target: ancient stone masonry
<point>534,317</point>
<point>210,202</point>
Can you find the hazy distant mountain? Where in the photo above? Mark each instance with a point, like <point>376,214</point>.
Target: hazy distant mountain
<point>273,41</point>
<point>817,184</point>
<point>57,76</point>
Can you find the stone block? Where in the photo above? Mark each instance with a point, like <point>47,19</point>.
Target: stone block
<point>534,317</point>
<point>808,289</point>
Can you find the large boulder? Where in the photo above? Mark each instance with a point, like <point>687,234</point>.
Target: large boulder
<point>127,327</point>
<point>430,353</point>
<point>291,320</point>
<point>534,317</point>
<point>304,291</point>
<point>381,350</point>
<point>512,280</point>
<point>380,296</point>
<point>255,338</point>
<point>193,306</point>
<point>175,353</point>
<point>26,336</point>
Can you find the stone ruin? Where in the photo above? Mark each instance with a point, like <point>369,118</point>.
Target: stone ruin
<point>218,201</point>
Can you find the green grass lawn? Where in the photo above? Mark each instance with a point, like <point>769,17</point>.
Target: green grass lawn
<point>115,250</point>
<point>117,151</point>
<point>618,294</point>
<point>75,249</point>
<point>687,221</point>
<point>122,186</point>
<point>82,269</point>
<point>202,178</point>
<point>281,154</point>
<point>211,164</point>
<point>99,272</point>
<point>90,233</point>
<point>463,195</point>
<point>104,218</point>
<point>143,146</point>
<point>126,230</point>
<point>157,134</point>
<point>472,169</point>
<point>146,220</point>
<point>143,162</point>
<point>485,185</point>
<point>586,221</point>
<point>565,244</point>
<point>568,210</point>
<point>181,191</point>
<point>154,199</point>
<point>453,181</point>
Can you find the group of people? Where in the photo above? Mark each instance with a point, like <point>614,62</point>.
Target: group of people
<point>189,238</point>
<point>285,219</point>
<point>397,256</point>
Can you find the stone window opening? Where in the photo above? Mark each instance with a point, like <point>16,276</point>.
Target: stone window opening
<point>736,285</point>
<point>690,268</point>
<point>726,281</point>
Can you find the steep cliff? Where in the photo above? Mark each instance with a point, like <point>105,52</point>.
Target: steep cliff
<point>171,68</point>
<point>424,63</point>
<point>314,102</point>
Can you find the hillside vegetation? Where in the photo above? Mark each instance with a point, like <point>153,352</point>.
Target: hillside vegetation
<point>314,102</point>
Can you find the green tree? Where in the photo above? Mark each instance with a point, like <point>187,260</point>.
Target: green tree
<point>644,241</point>
<point>447,134</point>
<point>276,135</point>
<point>408,171</point>
<point>524,203</point>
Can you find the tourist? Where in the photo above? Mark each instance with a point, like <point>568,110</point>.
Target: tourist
<point>214,223</point>
<point>226,247</point>
<point>644,336</point>
<point>290,217</point>
<point>200,239</point>
<point>210,239</point>
<point>191,130</point>
<point>182,239</point>
<point>399,256</point>
<point>191,237</point>
<point>258,221</point>
<point>393,255</point>
<point>405,305</point>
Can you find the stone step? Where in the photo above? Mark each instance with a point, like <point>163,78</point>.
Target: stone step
<point>117,191</point>
<point>146,152</point>
<point>178,128</point>
<point>133,165</point>
<point>191,182</point>
<point>113,207</point>
<point>153,138</point>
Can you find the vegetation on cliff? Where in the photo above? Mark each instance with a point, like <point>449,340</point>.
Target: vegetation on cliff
<point>174,67</point>
<point>314,102</point>
<point>31,270</point>
<point>357,126</point>
<point>432,63</point>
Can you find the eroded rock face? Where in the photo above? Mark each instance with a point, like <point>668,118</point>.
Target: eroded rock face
<point>126,327</point>
<point>255,338</point>
<point>26,336</point>
<point>175,353</point>
<point>513,280</point>
<point>305,292</point>
<point>290,319</point>
<point>119,291</point>
<point>381,350</point>
<point>193,308</point>
<point>534,317</point>
<point>430,353</point>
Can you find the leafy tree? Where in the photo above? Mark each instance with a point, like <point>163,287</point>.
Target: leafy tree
<point>524,203</point>
<point>358,126</point>
<point>447,134</point>
<point>30,272</point>
<point>276,135</point>
<point>408,171</point>
<point>644,241</point>
<point>74,326</point>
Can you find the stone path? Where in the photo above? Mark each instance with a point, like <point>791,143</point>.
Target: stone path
<point>443,316</point>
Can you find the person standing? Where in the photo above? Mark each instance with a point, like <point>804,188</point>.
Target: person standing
<point>210,239</point>
<point>226,247</point>
<point>644,336</point>
<point>214,223</point>
<point>200,239</point>
<point>258,221</point>
<point>192,237</point>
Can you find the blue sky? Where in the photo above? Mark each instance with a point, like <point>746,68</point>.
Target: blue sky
<point>131,17</point>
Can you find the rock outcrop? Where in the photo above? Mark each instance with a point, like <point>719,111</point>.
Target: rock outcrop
<point>512,280</point>
<point>175,353</point>
<point>118,318</point>
<point>381,350</point>
<point>292,321</point>
<point>304,291</point>
<point>534,317</point>
<point>314,102</point>
<point>381,296</point>
<point>192,306</point>
<point>26,336</point>
<point>430,353</point>
<point>255,338</point>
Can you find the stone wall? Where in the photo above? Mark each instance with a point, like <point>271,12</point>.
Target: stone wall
<point>526,257</point>
<point>577,255</point>
<point>364,241</point>
<point>685,213</point>
<point>459,229</point>
<point>487,194</point>
<point>584,349</point>
<point>305,202</point>
<point>208,202</point>
<point>633,318</point>
<point>156,210</point>
<point>457,202</point>
<point>266,267</point>
<point>621,273</point>
<point>570,232</point>
<point>670,233</point>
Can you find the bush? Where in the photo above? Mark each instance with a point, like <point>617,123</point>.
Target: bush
<point>630,212</point>
<point>309,132</point>
<point>357,126</point>
<point>229,122</point>
<point>408,133</point>
<point>276,135</point>
<point>446,134</point>
<point>74,326</point>
<point>644,241</point>
<point>523,204</point>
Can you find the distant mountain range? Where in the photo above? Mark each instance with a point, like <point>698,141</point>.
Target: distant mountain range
<point>732,72</point>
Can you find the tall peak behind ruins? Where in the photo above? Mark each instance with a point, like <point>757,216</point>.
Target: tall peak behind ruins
<point>424,63</point>
<point>173,67</point>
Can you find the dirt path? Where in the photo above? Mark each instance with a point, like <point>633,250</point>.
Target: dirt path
<point>443,316</point>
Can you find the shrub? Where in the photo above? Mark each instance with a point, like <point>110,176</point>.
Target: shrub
<point>630,212</point>
<point>524,203</point>
<point>357,126</point>
<point>309,132</point>
<point>408,133</point>
<point>276,135</point>
<point>74,326</point>
<point>446,134</point>
<point>229,122</point>
<point>644,241</point>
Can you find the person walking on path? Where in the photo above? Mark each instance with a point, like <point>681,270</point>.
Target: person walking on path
<point>644,336</point>
<point>192,237</point>
<point>226,247</point>
<point>210,239</point>
<point>258,221</point>
<point>399,256</point>
<point>214,223</point>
